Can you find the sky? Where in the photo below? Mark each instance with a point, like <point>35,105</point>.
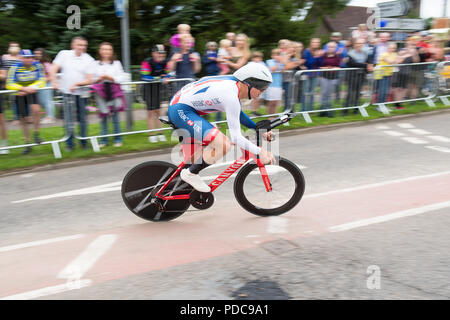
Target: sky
<point>433,8</point>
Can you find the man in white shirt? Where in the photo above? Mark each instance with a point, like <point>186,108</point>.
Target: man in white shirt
<point>75,72</point>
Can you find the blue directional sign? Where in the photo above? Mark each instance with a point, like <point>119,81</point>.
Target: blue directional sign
<point>119,6</point>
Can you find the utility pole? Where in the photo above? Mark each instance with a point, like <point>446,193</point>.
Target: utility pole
<point>121,7</point>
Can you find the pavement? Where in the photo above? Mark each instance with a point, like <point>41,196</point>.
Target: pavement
<point>372,225</point>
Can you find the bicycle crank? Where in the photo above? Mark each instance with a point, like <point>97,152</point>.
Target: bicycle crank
<point>201,200</point>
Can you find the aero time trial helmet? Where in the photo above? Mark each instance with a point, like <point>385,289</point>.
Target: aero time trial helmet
<point>255,75</point>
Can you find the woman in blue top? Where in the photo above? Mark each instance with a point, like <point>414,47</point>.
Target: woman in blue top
<point>313,60</point>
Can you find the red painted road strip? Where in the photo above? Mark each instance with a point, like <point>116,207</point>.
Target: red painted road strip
<point>145,247</point>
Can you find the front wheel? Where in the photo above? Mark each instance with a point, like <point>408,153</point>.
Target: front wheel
<point>288,186</point>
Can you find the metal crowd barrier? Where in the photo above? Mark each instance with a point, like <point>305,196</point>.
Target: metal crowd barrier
<point>331,90</point>
<point>53,139</point>
<point>143,92</point>
<point>393,83</point>
<point>323,91</point>
<point>443,70</point>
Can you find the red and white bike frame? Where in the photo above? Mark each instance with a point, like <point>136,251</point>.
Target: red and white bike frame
<point>189,149</point>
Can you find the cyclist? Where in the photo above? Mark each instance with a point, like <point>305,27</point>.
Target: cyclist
<point>219,94</point>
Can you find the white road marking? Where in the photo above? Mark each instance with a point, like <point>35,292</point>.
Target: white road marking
<point>394,133</point>
<point>406,125</point>
<point>81,264</point>
<point>116,186</point>
<point>382,127</point>
<point>277,225</point>
<point>419,131</point>
<point>27,175</point>
<point>439,148</point>
<point>47,291</point>
<point>74,271</point>
<point>414,140</point>
<point>378,184</point>
<point>439,138</point>
<point>113,186</point>
<point>391,216</point>
<point>40,242</point>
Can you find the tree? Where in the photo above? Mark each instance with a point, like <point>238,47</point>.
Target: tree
<point>43,23</point>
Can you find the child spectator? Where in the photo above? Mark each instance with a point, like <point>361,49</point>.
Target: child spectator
<point>152,70</point>
<point>274,92</point>
<point>175,39</point>
<point>224,54</point>
<point>210,59</point>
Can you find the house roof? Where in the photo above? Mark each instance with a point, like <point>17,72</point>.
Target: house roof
<point>342,21</point>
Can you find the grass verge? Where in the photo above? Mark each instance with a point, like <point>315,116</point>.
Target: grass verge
<point>43,155</point>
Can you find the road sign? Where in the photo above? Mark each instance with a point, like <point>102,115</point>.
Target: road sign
<point>119,6</point>
<point>402,24</point>
<point>393,8</point>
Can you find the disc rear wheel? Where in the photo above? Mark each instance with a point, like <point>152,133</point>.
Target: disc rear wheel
<point>142,183</point>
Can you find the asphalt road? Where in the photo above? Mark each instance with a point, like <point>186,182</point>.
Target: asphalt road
<point>373,224</point>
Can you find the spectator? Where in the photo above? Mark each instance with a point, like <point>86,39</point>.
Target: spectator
<point>381,46</point>
<point>404,79</point>
<point>175,39</point>
<point>223,55</point>
<point>75,72</point>
<point>45,97</point>
<point>232,37</point>
<point>257,57</point>
<point>185,63</point>
<point>26,77</point>
<point>341,50</point>
<point>329,80</point>
<point>3,135</point>
<point>10,59</point>
<point>290,62</point>
<point>152,70</point>
<point>274,91</point>
<point>363,33</point>
<point>336,37</point>
<point>108,73</point>
<point>210,59</point>
<point>424,41</point>
<point>435,50</point>
<point>297,63</point>
<point>240,54</point>
<point>284,45</point>
<point>383,75</point>
<point>312,57</point>
<point>370,48</point>
<point>357,58</point>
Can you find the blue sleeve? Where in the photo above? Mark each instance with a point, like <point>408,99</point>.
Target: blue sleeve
<point>246,121</point>
<point>205,59</point>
